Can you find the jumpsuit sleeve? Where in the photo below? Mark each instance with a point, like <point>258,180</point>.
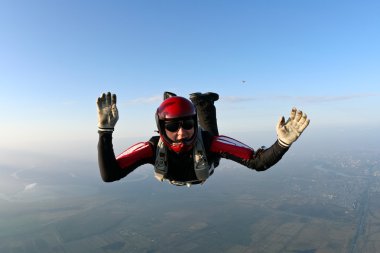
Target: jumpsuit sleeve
<point>112,168</point>
<point>259,160</point>
<point>263,159</point>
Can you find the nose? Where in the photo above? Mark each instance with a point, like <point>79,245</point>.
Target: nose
<point>181,131</point>
<point>182,134</point>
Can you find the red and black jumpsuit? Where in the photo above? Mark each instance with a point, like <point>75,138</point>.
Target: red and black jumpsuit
<point>181,166</point>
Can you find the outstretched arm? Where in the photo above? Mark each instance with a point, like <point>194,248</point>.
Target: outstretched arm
<point>287,133</point>
<point>111,168</point>
<point>108,166</point>
<point>262,159</point>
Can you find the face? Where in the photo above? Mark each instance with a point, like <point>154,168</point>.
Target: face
<point>178,131</point>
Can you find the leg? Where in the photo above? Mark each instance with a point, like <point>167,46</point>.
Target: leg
<point>168,94</point>
<point>204,103</point>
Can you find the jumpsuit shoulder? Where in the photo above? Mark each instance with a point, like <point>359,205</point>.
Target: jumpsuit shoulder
<point>139,153</point>
<point>228,146</point>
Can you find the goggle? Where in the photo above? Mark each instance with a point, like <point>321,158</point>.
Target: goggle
<point>173,126</point>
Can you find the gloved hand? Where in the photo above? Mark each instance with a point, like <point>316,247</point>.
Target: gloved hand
<point>107,112</point>
<point>289,131</point>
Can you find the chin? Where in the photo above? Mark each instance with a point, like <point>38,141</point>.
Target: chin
<point>180,147</point>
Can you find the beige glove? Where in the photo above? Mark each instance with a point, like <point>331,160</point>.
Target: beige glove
<point>107,112</point>
<point>289,131</point>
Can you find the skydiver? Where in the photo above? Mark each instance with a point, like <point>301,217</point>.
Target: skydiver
<point>188,146</point>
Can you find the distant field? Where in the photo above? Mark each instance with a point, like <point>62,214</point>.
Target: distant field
<point>325,204</point>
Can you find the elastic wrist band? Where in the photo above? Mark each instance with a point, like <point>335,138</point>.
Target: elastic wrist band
<point>105,129</point>
<point>283,144</point>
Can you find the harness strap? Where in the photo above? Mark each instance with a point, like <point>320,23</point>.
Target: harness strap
<point>161,164</point>
<point>201,166</point>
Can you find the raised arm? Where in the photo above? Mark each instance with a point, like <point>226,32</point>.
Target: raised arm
<point>263,158</point>
<point>107,118</point>
<point>114,168</point>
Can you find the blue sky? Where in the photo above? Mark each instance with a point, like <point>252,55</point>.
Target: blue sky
<point>57,57</point>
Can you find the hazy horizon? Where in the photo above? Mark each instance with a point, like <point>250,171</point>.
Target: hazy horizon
<point>261,57</point>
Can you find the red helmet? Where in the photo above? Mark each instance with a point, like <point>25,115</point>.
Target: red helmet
<point>174,108</point>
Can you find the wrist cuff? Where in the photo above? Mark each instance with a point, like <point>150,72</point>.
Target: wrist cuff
<point>109,130</point>
<point>283,144</point>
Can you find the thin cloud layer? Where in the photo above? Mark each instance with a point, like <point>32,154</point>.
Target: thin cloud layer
<point>146,100</point>
<point>306,99</point>
<point>30,186</point>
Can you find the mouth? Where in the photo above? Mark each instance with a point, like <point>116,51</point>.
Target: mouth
<point>181,141</point>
